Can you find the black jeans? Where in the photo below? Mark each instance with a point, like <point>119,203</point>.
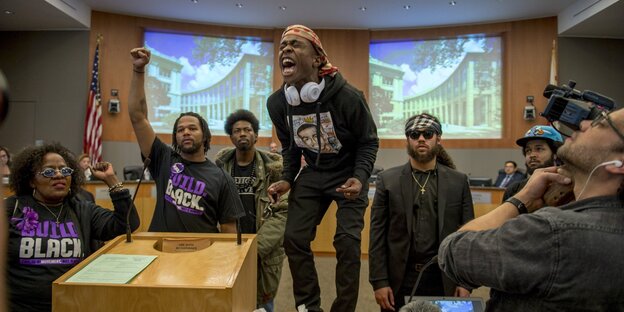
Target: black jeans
<point>309,198</point>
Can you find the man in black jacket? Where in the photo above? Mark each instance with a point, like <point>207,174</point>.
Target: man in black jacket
<point>319,115</point>
<point>416,206</point>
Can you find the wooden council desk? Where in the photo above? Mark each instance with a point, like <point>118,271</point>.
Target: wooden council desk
<point>485,199</point>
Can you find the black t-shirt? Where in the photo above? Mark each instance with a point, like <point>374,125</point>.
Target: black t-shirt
<point>191,196</point>
<point>245,177</point>
<point>40,251</point>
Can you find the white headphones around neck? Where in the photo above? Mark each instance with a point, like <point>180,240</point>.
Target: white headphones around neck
<point>310,92</point>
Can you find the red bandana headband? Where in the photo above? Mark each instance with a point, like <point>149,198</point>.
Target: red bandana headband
<point>308,34</point>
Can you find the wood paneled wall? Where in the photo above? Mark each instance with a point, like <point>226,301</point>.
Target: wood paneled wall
<point>526,49</point>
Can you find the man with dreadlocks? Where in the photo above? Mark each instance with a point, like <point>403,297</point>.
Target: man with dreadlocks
<point>319,115</point>
<point>193,194</point>
<point>415,207</point>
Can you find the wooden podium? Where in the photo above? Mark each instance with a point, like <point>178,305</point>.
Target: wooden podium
<point>221,277</point>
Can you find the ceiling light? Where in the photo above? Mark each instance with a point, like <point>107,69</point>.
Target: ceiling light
<point>7,12</point>
<point>239,5</point>
<point>453,3</point>
<point>407,6</point>
<point>194,1</point>
<point>363,8</point>
<point>282,7</point>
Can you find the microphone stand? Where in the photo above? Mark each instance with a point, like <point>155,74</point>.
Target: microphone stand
<point>146,163</point>
<point>430,262</point>
<point>239,236</point>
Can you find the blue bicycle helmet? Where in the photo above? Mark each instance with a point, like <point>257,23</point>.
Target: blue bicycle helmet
<point>546,133</point>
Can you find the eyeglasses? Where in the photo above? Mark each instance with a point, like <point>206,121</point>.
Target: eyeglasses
<point>51,172</point>
<point>415,135</point>
<point>604,116</point>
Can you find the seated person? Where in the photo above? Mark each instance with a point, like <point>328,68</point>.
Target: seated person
<point>49,229</point>
<point>84,161</point>
<point>273,148</point>
<point>5,161</point>
<point>508,175</point>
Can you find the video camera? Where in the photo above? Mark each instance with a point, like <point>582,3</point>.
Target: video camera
<point>567,107</point>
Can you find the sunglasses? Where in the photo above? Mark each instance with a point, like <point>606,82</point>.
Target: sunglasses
<point>51,172</point>
<point>415,135</point>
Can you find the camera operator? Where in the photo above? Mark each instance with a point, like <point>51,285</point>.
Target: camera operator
<point>554,259</point>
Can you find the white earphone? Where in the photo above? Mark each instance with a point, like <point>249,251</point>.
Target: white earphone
<point>616,163</point>
<point>310,92</point>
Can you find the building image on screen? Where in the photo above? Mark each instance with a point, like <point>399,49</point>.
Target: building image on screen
<point>457,79</point>
<point>454,306</point>
<point>207,75</point>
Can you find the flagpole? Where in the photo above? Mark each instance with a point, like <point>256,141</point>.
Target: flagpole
<point>554,79</point>
<point>93,118</point>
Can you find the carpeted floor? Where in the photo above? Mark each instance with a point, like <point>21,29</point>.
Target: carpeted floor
<point>326,266</point>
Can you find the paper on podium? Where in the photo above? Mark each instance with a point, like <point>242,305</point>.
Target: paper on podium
<point>112,269</point>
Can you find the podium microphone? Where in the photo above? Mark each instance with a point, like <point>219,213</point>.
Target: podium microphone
<point>433,260</point>
<point>146,163</point>
<point>239,236</point>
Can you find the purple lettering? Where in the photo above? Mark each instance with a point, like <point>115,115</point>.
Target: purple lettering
<point>175,179</point>
<point>184,182</point>
<point>189,187</point>
<point>72,229</point>
<point>30,233</point>
<point>199,188</point>
<point>53,233</point>
<point>43,229</point>
<point>63,230</point>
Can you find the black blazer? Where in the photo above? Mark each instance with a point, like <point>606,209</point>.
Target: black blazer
<point>392,216</point>
<point>517,176</point>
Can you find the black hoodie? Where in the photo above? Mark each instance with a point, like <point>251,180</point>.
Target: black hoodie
<point>349,135</point>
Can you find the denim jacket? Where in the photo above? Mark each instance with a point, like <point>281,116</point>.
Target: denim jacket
<point>569,258</point>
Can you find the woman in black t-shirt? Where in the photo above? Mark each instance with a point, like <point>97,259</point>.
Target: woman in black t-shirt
<point>49,229</point>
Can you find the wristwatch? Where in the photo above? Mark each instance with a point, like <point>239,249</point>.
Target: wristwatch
<point>519,205</point>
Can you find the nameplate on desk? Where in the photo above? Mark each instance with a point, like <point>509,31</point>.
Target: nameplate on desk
<point>182,244</point>
<point>101,192</point>
<point>479,197</point>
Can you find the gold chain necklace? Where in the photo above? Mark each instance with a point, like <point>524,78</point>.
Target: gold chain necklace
<point>50,210</point>
<point>422,186</point>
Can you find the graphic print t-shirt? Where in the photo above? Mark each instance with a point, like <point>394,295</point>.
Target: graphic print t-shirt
<point>244,183</point>
<point>191,196</point>
<point>306,136</point>
<point>40,251</point>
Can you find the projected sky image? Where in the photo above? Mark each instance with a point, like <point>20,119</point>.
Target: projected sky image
<point>207,75</point>
<point>458,80</point>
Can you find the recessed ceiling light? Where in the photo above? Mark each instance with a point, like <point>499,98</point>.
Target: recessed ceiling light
<point>407,6</point>
<point>7,12</point>
<point>194,1</point>
<point>282,7</point>
<point>239,5</point>
<point>363,8</point>
<point>453,3</point>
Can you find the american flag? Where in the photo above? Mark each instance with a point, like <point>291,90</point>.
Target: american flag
<point>554,80</point>
<point>93,121</point>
